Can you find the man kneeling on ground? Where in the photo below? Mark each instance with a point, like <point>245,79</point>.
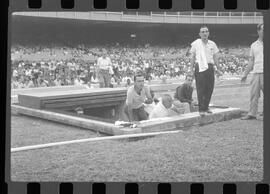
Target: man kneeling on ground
<point>136,96</point>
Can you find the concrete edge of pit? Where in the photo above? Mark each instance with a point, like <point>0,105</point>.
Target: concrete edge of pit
<point>93,125</point>
<point>181,122</point>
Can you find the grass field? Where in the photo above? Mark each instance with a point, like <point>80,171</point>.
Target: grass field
<point>225,151</point>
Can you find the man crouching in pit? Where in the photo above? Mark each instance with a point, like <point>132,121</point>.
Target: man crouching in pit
<point>137,95</point>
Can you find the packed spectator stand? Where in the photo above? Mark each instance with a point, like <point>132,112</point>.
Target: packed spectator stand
<point>44,66</point>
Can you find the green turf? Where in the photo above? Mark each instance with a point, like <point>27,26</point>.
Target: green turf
<point>216,152</point>
<point>38,131</point>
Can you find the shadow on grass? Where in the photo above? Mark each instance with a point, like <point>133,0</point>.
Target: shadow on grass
<point>135,139</point>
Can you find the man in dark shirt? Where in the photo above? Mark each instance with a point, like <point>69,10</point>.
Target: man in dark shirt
<point>184,92</point>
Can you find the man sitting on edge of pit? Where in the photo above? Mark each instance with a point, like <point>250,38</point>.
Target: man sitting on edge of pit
<point>137,94</point>
<point>164,108</point>
<point>184,94</point>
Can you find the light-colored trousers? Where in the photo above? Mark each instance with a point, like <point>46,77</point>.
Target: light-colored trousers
<point>255,93</point>
<point>104,78</point>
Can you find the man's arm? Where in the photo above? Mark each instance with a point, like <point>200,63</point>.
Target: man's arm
<point>129,105</point>
<point>249,66</point>
<point>192,52</point>
<point>190,94</point>
<point>216,57</point>
<point>130,113</point>
<point>192,61</point>
<point>98,65</point>
<point>216,60</point>
<point>248,69</point>
<point>177,93</point>
<point>109,63</point>
<point>149,99</point>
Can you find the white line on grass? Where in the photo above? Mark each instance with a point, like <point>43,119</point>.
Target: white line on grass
<point>40,146</point>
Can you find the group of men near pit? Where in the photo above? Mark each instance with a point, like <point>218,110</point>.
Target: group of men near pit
<point>204,60</point>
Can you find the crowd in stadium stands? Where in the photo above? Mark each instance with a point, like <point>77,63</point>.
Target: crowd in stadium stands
<point>57,66</point>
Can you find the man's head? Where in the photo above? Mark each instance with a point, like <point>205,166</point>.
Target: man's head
<point>139,81</point>
<point>104,53</point>
<point>189,79</point>
<point>260,30</point>
<point>128,81</point>
<point>167,101</point>
<point>204,32</point>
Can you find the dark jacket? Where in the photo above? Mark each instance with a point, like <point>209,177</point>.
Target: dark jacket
<point>184,93</point>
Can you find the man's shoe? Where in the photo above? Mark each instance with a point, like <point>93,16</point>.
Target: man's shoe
<point>248,117</point>
<point>202,114</point>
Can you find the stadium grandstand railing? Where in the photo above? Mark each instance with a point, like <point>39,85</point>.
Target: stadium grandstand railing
<point>158,17</point>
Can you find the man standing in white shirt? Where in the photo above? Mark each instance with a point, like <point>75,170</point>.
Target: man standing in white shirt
<point>204,55</point>
<point>255,64</point>
<point>103,66</point>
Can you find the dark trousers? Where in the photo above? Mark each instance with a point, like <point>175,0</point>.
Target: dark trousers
<point>139,114</point>
<point>205,85</point>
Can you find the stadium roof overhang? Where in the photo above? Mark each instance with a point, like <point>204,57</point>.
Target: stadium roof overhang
<point>157,17</point>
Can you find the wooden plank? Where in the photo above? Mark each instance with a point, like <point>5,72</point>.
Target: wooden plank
<point>68,94</point>
<point>86,106</point>
<point>71,98</point>
<point>84,92</point>
<point>48,102</point>
<point>95,105</point>
<point>83,98</point>
<point>23,99</point>
<point>82,102</point>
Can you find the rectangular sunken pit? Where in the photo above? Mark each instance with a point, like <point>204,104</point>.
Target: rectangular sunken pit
<point>102,107</point>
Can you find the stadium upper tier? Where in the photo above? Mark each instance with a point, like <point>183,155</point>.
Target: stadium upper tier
<point>44,30</point>
<point>158,17</point>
